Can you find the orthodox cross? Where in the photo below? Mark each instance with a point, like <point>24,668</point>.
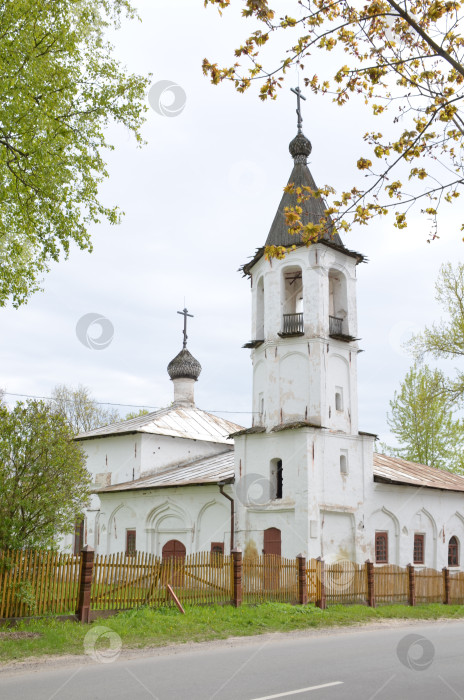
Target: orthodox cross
<point>185,313</point>
<point>299,96</point>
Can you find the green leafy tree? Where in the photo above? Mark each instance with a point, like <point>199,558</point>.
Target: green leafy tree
<point>137,414</point>
<point>404,61</point>
<point>61,87</point>
<point>422,421</point>
<point>44,484</point>
<point>80,410</point>
<point>445,339</point>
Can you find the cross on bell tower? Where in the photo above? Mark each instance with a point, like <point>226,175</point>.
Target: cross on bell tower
<point>299,96</point>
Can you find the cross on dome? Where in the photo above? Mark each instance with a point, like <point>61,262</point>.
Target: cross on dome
<point>185,313</point>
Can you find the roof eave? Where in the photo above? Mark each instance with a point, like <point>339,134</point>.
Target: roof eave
<point>396,482</point>
<point>227,480</point>
<point>247,267</point>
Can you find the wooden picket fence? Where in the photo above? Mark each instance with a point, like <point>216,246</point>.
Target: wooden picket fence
<point>314,580</point>
<point>41,582</point>
<point>38,582</point>
<point>269,578</point>
<point>345,582</point>
<point>121,582</point>
<point>457,587</point>
<point>391,584</point>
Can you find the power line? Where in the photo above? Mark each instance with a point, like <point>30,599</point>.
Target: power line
<point>109,403</point>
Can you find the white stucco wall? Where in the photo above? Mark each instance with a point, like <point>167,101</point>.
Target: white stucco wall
<point>194,515</point>
<point>326,513</point>
<point>297,377</point>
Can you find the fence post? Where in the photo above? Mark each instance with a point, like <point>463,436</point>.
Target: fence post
<point>370,584</point>
<point>237,560</point>
<point>321,602</point>
<point>412,585</point>
<point>302,584</point>
<point>446,586</point>
<point>85,584</point>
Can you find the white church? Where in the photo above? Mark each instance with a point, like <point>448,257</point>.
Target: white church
<point>303,478</point>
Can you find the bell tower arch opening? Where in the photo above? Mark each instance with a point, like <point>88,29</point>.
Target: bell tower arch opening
<point>260,309</point>
<point>292,301</point>
<point>338,303</point>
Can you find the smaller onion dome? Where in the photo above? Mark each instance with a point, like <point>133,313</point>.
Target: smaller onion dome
<point>300,147</point>
<point>184,366</point>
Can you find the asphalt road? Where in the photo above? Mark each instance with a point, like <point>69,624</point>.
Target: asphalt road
<point>401,663</point>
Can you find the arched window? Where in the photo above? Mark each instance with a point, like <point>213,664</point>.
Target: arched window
<point>453,551</point>
<point>260,310</point>
<point>276,474</point>
<point>292,302</point>
<point>381,547</point>
<point>419,548</point>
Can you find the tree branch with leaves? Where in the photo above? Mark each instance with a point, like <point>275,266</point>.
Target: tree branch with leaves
<point>61,87</point>
<point>405,61</point>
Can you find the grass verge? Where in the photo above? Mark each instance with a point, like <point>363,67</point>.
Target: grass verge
<point>148,627</point>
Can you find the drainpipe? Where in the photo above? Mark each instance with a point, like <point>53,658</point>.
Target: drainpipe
<point>221,485</point>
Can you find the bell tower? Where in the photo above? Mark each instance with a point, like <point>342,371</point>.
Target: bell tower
<point>304,326</point>
<point>302,468</point>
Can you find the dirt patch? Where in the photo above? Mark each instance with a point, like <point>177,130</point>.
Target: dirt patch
<point>18,634</point>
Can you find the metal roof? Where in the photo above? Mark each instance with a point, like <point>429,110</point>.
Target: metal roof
<point>175,421</point>
<point>210,470</point>
<point>393,470</point>
<point>313,210</point>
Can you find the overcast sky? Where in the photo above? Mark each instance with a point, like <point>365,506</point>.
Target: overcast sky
<point>198,200</point>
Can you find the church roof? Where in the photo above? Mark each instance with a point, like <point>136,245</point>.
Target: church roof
<point>393,470</point>
<point>176,421</point>
<point>313,208</point>
<point>220,468</point>
<point>209,470</point>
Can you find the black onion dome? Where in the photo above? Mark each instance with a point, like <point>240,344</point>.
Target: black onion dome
<point>184,366</point>
<point>300,146</point>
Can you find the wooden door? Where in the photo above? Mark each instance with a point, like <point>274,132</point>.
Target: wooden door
<point>173,554</point>
<point>272,541</point>
<point>272,549</point>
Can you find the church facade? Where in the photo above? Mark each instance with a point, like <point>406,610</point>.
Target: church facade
<point>302,478</point>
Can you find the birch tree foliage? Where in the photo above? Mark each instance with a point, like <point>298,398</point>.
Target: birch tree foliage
<point>404,60</point>
<point>444,340</point>
<point>80,409</point>
<point>61,87</point>
<point>421,418</point>
<point>44,484</point>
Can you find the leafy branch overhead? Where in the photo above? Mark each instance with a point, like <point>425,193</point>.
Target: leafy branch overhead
<point>405,61</point>
<point>61,87</point>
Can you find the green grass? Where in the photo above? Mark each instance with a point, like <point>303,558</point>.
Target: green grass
<point>148,627</point>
